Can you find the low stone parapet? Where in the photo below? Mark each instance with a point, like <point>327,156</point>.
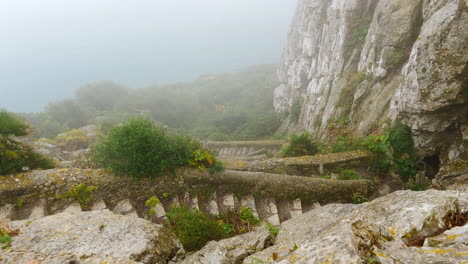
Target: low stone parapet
<point>303,166</point>
<point>244,148</point>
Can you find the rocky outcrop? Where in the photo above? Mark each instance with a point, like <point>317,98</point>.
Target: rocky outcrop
<point>402,227</point>
<point>354,64</point>
<point>89,237</point>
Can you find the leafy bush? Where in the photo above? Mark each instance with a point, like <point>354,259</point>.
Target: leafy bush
<point>14,155</point>
<point>380,149</point>
<point>72,140</point>
<point>193,228</point>
<point>404,154</point>
<point>139,148</point>
<point>349,175</point>
<point>300,145</point>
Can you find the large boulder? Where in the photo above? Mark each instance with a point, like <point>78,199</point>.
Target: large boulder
<point>398,228</point>
<point>232,250</point>
<point>89,237</point>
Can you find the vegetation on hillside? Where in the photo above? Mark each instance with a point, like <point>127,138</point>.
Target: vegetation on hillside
<point>16,156</point>
<point>231,106</point>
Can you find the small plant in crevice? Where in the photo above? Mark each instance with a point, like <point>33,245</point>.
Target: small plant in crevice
<point>81,193</point>
<point>295,111</point>
<point>300,145</point>
<point>370,259</point>
<point>6,234</point>
<point>151,204</point>
<point>395,58</point>
<point>349,175</point>
<point>359,198</point>
<point>274,230</point>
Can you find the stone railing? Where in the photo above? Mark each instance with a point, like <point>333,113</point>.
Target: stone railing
<point>303,166</point>
<point>274,198</point>
<point>244,148</point>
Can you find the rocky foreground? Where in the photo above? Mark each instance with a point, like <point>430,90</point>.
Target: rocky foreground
<point>402,227</point>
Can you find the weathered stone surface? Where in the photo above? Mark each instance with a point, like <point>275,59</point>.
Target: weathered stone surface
<point>368,61</point>
<point>39,210</point>
<point>101,234</point>
<point>6,211</point>
<point>340,233</point>
<point>232,250</point>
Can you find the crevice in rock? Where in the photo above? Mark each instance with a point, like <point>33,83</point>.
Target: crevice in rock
<point>432,165</point>
<point>451,220</point>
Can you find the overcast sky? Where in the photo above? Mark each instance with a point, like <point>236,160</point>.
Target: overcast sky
<point>49,48</point>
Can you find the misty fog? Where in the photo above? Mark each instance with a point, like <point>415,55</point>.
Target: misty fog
<point>51,48</point>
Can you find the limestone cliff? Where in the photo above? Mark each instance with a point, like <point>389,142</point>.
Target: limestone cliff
<point>360,64</point>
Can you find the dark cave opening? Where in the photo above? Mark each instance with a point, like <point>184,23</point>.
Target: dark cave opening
<point>432,165</point>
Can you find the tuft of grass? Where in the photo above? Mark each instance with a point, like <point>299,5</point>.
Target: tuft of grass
<point>349,175</point>
<point>272,229</point>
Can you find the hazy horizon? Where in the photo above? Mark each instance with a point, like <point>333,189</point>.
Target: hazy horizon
<point>51,48</point>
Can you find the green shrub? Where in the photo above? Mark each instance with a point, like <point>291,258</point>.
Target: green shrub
<point>404,154</point>
<point>139,148</point>
<point>380,150</point>
<point>349,175</point>
<point>193,228</point>
<point>300,145</point>
<point>295,111</point>
<point>14,155</point>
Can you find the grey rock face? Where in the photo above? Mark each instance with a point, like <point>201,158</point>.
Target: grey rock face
<point>100,234</point>
<point>373,60</point>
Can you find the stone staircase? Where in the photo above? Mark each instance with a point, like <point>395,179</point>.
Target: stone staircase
<point>274,198</point>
